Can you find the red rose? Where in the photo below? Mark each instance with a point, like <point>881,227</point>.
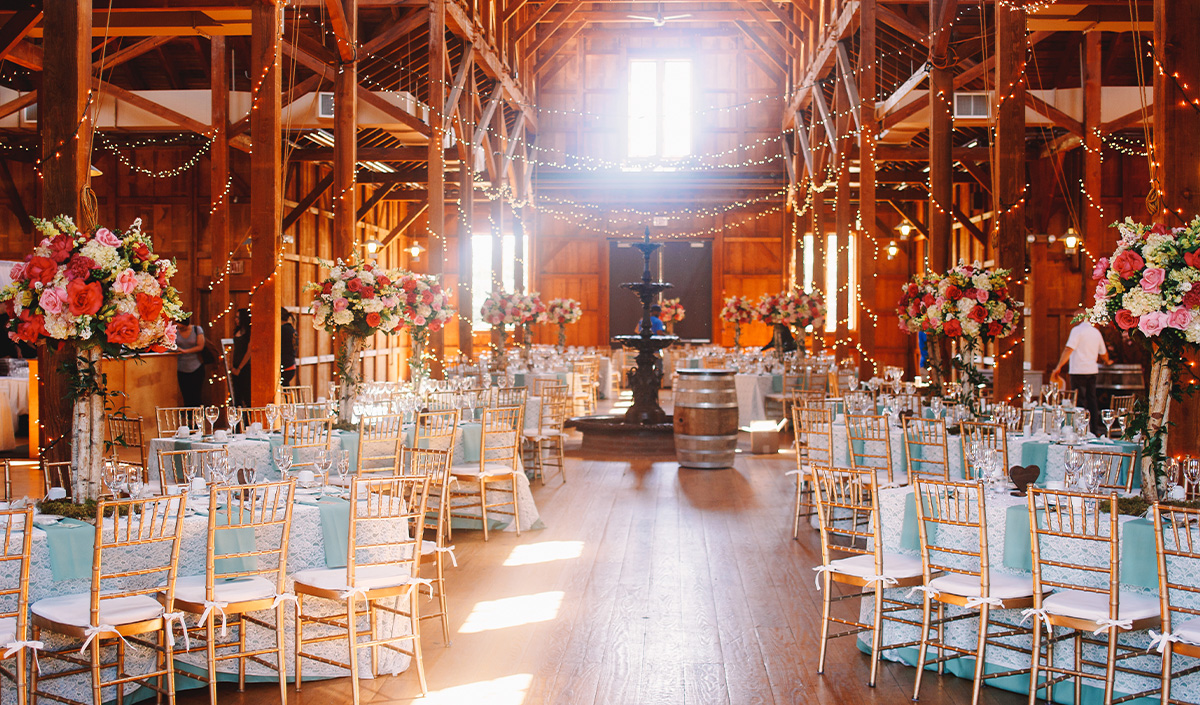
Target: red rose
<point>1192,259</point>
<point>978,314</point>
<point>952,328</point>
<point>913,290</point>
<point>1159,229</point>
<point>149,307</point>
<point>373,319</point>
<point>368,292</point>
<point>410,284</point>
<point>80,267</point>
<point>60,248</point>
<point>354,285</point>
<point>412,297</point>
<point>122,329</point>
<point>327,288</point>
<point>84,299</point>
<point>383,281</point>
<point>1127,264</point>
<point>953,293</point>
<point>1190,299</point>
<point>1126,320</point>
<point>41,269</point>
<point>435,325</point>
<point>995,329</point>
<point>31,328</point>
<point>927,300</point>
<point>141,252</point>
<point>427,297</point>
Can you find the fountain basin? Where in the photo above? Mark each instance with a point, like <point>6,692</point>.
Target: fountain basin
<point>614,437</point>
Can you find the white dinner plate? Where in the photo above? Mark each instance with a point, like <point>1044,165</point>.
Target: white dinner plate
<point>46,519</point>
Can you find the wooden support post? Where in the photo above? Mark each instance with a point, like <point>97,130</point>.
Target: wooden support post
<point>466,230</point>
<point>437,159</point>
<point>1009,175</point>
<point>871,236</point>
<point>1095,232</point>
<point>66,76</point>
<point>345,144</point>
<point>1177,151</point>
<point>844,220</point>
<point>266,200</point>
<point>219,195</point>
<point>941,162</point>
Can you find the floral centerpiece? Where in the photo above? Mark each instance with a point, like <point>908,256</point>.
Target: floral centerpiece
<point>102,292</point>
<point>1149,287</point>
<point>500,310</point>
<point>672,311</point>
<point>561,312</point>
<point>916,296</point>
<point>738,310</point>
<point>535,312</point>
<point>356,300</point>
<point>425,308</point>
<point>790,310</point>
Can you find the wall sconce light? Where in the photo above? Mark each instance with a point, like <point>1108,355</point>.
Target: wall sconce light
<point>905,230</point>
<point>414,251</point>
<point>372,246</point>
<point>1071,241</point>
<point>893,249</point>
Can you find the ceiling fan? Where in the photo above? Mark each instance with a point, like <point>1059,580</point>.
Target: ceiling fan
<point>659,20</point>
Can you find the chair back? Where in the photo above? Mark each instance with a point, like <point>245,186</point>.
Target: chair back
<point>509,396</point>
<point>846,502</point>
<point>1081,544</point>
<point>553,411</point>
<point>926,448</point>
<point>136,549</point>
<point>537,386</point>
<point>435,429</point>
<point>254,414</point>
<point>434,464</point>
<point>443,401</point>
<point>1178,548</point>
<point>300,394</point>
<point>952,525</point>
<point>380,441</point>
<point>128,442</point>
<point>804,397</point>
<point>6,488</point>
<point>265,510</point>
<point>16,530</point>
<point>989,435</point>
<point>311,410</point>
<point>870,443</point>
<point>57,474</point>
<point>1116,468</point>
<point>377,503</point>
<point>170,418</point>
<point>174,466</point>
<point>814,435</point>
<point>907,402</point>
<point>500,443</point>
<point>307,437</point>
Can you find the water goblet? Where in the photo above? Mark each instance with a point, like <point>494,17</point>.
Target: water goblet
<point>1172,475</point>
<point>283,459</point>
<point>212,413</point>
<point>272,413</point>
<point>1027,392</point>
<point>324,461</point>
<point>1191,472</point>
<point>935,405</point>
<point>288,412</point>
<point>1123,422</point>
<point>854,384</point>
<point>343,465</point>
<point>232,417</point>
<point>1109,417</point>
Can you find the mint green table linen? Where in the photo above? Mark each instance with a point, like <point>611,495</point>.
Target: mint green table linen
<point>71,543</point>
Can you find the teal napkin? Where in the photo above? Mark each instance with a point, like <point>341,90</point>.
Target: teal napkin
<point>1018,551</point>
<point>776,384</point>
<point>472,438</point>
<point>335,530</point>
<point>519,379</point>
<point>910,537</point>
<point>1036,453</point>
<point>1139,556</point>
<point>71,543</point>
<point>235,540</point>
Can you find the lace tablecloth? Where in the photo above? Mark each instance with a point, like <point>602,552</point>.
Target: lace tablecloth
<point>306,550</point>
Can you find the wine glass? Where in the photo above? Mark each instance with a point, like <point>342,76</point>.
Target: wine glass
<point>282,456</point>
<point>212,413</point>
<point>135,482</point>
<point>854,384</point>
<point>233,417</point>
<point>324,462</point>
<point>343,465</point>
<point>1108,416</point>
<point>191,466</point>
<point>1123,422</point>
<point>1191,472</point>
<point>1027,392</point>
<point>287,412</point>
<point>272,413</point>
<point>935,405</point>
<point>1172,475</point>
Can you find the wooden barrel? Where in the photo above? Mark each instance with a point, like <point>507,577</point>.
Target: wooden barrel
<point>706,418</point>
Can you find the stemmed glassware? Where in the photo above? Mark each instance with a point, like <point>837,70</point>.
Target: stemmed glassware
<point>288,412</point>
<point>1191,473</point>
<point>272,413</point>
<point>935,405</point>
<point>1172,475</point>
<point>1108,416</point>
<point>283,459</point>
<point>233,417</point>
<point>324,462</point>
<point>1073,464</point>
<point>343,465</point>
<point>1123,422</point>
<point>212,413</point>
<point>1027,392</point>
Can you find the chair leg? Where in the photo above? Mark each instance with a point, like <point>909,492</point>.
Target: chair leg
<point>516,506</point>
<point>441,585</point>
<point>352,641</point>
<point>279,644</point>
<point>170,651</point>
<point>483,507</point>
<point>1168,653</point>
<point>210,650</point>
<point>1110,669</point>
<point>985,617</point>
<point>922,648</point>
<point>1035,663</point>
<point>876,633</point>
<point>97,696</point>
<point>418,657</point>
<point>21,676</point>
<point>825,609</point>
<point>33,675</point>
<point>299,640</point>
<point>796,522</point>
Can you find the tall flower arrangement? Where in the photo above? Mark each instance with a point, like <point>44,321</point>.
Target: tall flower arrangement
<point>738,310</point>
<point>561,312</point>
<point>792,310</point>
<point>1149,287</point>
<point>500,310</point>
<point>672,310</point>
<point>916,296</point>
<point>356,300</point>
<point>535,312</point>
<point>424,308</point>
<point>104,292</point>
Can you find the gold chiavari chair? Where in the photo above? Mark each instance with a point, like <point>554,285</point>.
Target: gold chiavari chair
<point>792,383</point>
<point>585,382</point>
<point>16,528</point>
<point>435,464</point>
<point>380,442</point>
<point>991,436</point>
<point>311,410</point>
<point>1122,405</point>
<point>847,502</point>
<point>245,572</point>
<point>6,488</point>
<point>306,438</point>
<point>174,466</point>
<point>170,418</point>
<point>545,440</point>
<point>128,441</point>
<point>952,526</point>
<point>926,449</point>
<point>435,429</point>
<point>1077,587</point>
<point>1116,468</point>
<point>537,385</point>
<point>1178,559</point>
<point>499,464</point>
<point>299,394</point>
<point>442,401</point>
<point>57,474</point>
<point>814,446</point>
<point>870,443</point>
<point>907,402</point>
<point>510,396</point>
<point>134,562</point>
<point>248,415</point>
<point>381,563</point>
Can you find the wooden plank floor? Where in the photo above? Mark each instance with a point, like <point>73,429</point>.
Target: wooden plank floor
<point>650,584</point>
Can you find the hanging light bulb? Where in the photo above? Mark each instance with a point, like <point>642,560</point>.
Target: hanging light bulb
<point>1071,241</point>
<point>373,246</point>
<point>905,230</point>
<point>893,249</point>
<point>414,251</point>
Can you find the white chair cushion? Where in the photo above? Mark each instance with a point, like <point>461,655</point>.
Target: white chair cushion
<point>428,547</point>
<point>191,588</point>
<point>8,630</point>
<point>488,469</point>
<point>76,610</point>
<point>1188,631</point>
<point>1094,605</point>
<point>1002,585</point>
<point>895,565</point>
<point>368,577</point>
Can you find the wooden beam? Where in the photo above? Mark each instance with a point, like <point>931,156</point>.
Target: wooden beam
<point>460,23</point>
<point>405,224</point>
<point>1055,115</point>
<point>909,216</point>
<point>394,31</point>
<point>436,53</point>
<point>777,37</point>
<point>823,109</point>
<point>566,35</point>
<point>940,20</point>
<point>17,26</point>
<point>517,136</point>
<point>887,106</point>
<point>402,153</point>
<point>161,111</point>
<point>1129,119</point>
<point>981,177</point>
<point>965,221</point>
<point>130,52</point>
<point>344,234</point>
<point>802,140</point>
<point>394,112</point>
<point>846,69</point>
<point>840,29</point>
<point>219,190</point>
<point>295,93</point>
<point>15,202</point>
<point>921,154</point>
<point>784,17</point>
<point>763,48</point>
<point>343,19</point>
<point>466,64</point>
<point>559,20</point>
<point>805,9</point>
<point>371,201</point>
<point>866,242</point>
<point>485,117</point>
<point>902,25</point>
<point>532,22</point>
<point>305,203</point>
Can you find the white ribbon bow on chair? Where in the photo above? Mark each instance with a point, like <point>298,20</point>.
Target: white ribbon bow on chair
<point>12,648</point>
<point>932,592</point>
<point>283,597</point>
<point>821,570</point>
<point>1106,624</point>
<point>1158,642</point>
<point>976,602</point>
<point>450,550</point>
<point>1037,614</point>
<point>209,607</point>
<point>91,633</point>
<point>168,619</point>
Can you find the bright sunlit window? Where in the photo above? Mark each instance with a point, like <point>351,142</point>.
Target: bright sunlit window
<point>832,284</point>
<point>483,284</point>
<point>810,262</point>
<point>660,108</point>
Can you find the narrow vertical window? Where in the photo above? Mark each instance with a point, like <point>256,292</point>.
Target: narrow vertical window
<point>660,109</point>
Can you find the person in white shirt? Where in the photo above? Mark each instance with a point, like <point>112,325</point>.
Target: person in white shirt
<point>1085,345</point>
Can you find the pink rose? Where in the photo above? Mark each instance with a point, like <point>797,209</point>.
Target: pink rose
<point>53,300</point>
<point>104,236</point>
<point>341,304</point>
<point>1126,263</point>
<point>419,320</point>
<point>169,335</point>
<point>981,295</point>
<point>1152,279</point>
<point>1100,269</point>
<point>126,282</point>
<point>1008,316</point>
<point>1152,323</point>
<point>17,271</point>
<point>1101,292</point>
<point>1179,318</point>
<point>1126,320</point>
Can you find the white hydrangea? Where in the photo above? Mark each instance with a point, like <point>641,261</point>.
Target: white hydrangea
<point>982,281</point>
<point>965,304</point>
<point>1192,332</point>
<point>372,305</point>
<point>104,256</point>
<point>126,304</point>
<point>59,325</point>
<point>338,290</point>
<point>1140,302</point>
<point>367,277</point>
<point>970,328</point>
<point>343,318</point>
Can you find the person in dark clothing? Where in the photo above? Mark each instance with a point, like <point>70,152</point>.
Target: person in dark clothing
<point>241,359</point>
<point>287,348</point>
<point>189,368</point>
<point>785,335</point>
